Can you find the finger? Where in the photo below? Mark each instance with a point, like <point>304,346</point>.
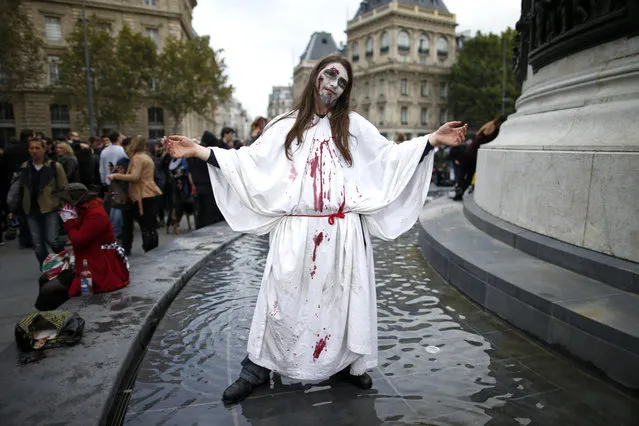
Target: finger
<point>454,123</point>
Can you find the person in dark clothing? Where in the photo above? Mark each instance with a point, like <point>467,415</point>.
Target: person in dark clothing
<point>14,156</point>
<point>206,210</point>
<point>487,133</point>
<point>227,137</point>
<point>456,157</point>
<point>40,179</point>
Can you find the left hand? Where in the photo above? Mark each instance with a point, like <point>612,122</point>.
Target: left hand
<point>449,134</point>
<point>113,176</point>
<point>68,212</point>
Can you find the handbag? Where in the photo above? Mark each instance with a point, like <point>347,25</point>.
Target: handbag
<point>49,329</point>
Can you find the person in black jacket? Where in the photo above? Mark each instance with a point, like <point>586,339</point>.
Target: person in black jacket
<point>206,210</point>
<point>16,154</point>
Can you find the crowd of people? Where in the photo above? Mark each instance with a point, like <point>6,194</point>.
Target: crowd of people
<point>83,197</point>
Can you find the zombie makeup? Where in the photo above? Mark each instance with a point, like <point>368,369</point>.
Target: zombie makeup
<point>331,83</point>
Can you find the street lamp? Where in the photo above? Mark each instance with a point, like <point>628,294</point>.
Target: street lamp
<point>87,69</point>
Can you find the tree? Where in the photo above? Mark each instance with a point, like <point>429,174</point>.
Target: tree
<point>21,56</point>
<point>190,78</point>
<point>476,79</point>
<point>120,69</point>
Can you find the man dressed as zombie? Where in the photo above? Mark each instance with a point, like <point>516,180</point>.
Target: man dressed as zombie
<point>320,181</point>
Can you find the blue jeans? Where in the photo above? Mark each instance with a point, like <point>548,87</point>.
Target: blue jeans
<point>45,230</point>
<point>115,216</point>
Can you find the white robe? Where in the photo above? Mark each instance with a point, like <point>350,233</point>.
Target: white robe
<point>316,311</point>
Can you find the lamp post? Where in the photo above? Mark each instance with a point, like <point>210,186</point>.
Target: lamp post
<point>87,69</point>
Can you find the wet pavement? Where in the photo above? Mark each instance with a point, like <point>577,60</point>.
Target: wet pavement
<point>442,359</point>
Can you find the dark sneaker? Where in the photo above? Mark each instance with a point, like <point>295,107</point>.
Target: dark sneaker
<point>239,390</point>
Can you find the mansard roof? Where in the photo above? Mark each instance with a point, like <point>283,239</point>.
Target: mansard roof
<point>321,44</point>
<point>368,5</point>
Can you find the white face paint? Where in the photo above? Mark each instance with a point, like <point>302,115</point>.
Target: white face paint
<point>331,83</point>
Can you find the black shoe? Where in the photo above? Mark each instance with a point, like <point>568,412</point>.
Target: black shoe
<point>239,390</point>
<point>363,381</point>
<point>458,198</point>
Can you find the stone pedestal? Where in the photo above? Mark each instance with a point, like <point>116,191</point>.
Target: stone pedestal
<point>566,164</point>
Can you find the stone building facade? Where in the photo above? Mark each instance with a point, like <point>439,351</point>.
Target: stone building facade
<point>35,107</point>
<point>280,101</point>
<point>402,53</point>
<point>232,114</point>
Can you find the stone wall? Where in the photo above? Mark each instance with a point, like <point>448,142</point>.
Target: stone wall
<point>566,164</point>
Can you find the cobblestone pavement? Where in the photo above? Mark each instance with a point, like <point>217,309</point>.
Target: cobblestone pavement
<point>443,360</point>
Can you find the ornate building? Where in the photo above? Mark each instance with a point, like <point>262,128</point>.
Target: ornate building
<point>402,52</point>
<point>321,44</point>
<point>280,101</point>
<point>54,20</point>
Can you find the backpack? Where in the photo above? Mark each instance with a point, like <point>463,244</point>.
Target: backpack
<point>14,196</point>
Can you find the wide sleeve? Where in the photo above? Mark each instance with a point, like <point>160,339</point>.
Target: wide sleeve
<point>392,179</point>
<point>251,185</point>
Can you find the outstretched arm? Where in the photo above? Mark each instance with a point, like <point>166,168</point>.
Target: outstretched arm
<point>183,147</point>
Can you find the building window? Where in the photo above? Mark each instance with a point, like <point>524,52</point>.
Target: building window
<point>154,35</point>
<point>369,47</point>
<point>424,88</point>
<point>442,49</point>
<point>385,42</point>
<point>381,86</point>
<point>442,116</point>
<point>150,3</point>
<point>403,41</point>
<point>404,115</point>
<point>404,87</point>
<point>355,52</point>
<point>382,113</point>
<point>60,121</point>
<point>443,90</point>
<point>104,26</point>
<point>423,44</point>
<point>52,28</point>
<point>7,123</point>
<point>54,70</point>
<point>424,116</point>
<point>156,123</point>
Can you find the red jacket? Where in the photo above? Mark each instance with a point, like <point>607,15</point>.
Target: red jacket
<point>88,233</point>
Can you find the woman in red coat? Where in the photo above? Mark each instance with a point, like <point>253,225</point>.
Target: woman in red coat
<point>91,234</point>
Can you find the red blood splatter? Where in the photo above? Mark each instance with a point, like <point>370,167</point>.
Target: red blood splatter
<point>335,70</point>
<point>319,346</point>
<point>275,307</point>
<point>317,240</point>
<point>313,273</point>
<point>319,82</point>
<point>293,173</point>
<point>316,164</point>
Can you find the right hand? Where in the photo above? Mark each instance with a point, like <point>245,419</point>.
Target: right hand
<point>180,146</point>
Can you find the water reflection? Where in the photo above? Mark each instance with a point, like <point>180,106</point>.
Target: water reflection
<point>441,359</point>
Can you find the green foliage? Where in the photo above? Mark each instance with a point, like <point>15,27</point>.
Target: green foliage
<point>21,56</point>
<point>121,67</point>
<point>476,79</point>
<point>190,78</point>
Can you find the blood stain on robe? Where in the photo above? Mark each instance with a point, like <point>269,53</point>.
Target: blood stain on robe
<point>293,173</point>
<point>274,312</point>
<point>320,346</point>
<point>316,164</point>
<point>317,240</point>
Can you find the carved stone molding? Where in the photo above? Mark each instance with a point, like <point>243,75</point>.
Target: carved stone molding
<point>549,30</point>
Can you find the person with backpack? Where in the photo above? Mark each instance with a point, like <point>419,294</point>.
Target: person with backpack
<point>40,179</point>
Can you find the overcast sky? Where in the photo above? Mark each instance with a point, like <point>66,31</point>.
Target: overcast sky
<point>263,39</point>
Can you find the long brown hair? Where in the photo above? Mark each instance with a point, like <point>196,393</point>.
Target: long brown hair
<point>305,108</point>
<point>138,144</point>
